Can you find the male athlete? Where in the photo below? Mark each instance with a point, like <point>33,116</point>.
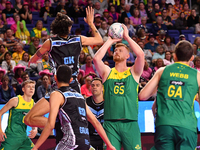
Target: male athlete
<point>121,93</point>
<point>74,116</point>
<point>63,49</point>
<point>15,137</point>
<point>177,86</point>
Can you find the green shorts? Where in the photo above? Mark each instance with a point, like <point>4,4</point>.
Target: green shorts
<point>16,143</point>
<point>123,132</point>
<point>174,138</point>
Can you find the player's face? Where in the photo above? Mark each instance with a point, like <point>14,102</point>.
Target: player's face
<point>120,54</point>
<point>97,88</point>
<point>29,89</point>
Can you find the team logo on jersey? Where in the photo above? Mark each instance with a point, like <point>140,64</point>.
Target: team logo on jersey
<point>23,103</point>
<point>137,146</point>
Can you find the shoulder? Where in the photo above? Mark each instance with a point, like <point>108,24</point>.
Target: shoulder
<point>14,101</point>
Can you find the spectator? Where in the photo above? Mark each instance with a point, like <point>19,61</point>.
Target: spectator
<point>45,63</point>
<point>36,32</point>
<point>80,76</point>
<point>151,45</point>
<point>34,5</point>
<point>186,10</point>
<point>26,14</point>
<point>62,7</point>
<point>159,63</point>
<point>193,19</point>
<point>6,91</point>
<point>182,37</point>
<point>8,64</point>
<point>158,26</point>
<point>177,9</point>
<point>2,73</point>
<point>8,14</point>
<point>86,88</point>
<point>105,15</point>
<point>161,37</point>
<point>22,32</point>
<point>103,4</point>
<point>168,58</point>
<point>197,27</point>
<point>142,10</point>
<point>3,29</point>
<point>197,63</point>
<point>98,9</point>
<point>77,11</point>
<point>156,12</point>
<point>126,13</point>
<point>134,6</point>
<point>113,13</point>
<point>197,42</point>
<point>167,19</point>
<point>142,36</point>
<point>163,5</point>
<point>143,25</point>
<point>147,52</point>
<point>121,8</point>
<point>16,56</point>
<point>13,27</point>
<point>25,77</point>
<point>10,41</point>
<point>33,46</point>
<point>47,10</point>
<point>97,20</point>
<point>83,3</point>
<point>96,105</point>
<point>110,21</point>
<point>130,61</point>
<point>146,74</point>
<point>160,53</point>
<point>44,37</point>
<point>43,89</point>
<point>170,11</point>
<point>130,28</point>
<point>196,53</point>
<point>89,67</point>
<point>2,6</point>
<point>181,22</point>
<point>136,20</point>
<point>18,5</point>
<point>168,45</point>
<point>3,51</point>
<point>149,10</point>
<point>18,70</point>
<point>103,30</point>
<point>24,62</point>
<point>82,58</point>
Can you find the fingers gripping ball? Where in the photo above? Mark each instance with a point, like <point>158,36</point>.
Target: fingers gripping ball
<point>116,31</point>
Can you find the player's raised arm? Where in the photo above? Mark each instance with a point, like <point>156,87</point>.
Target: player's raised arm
<point>102,69</point>
<point>97,39</point>
<point>137,68</point>
<point>11,103</point>
<point>43,49</point>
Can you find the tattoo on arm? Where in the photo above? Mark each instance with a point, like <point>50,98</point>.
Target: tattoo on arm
<point>38,54</point>
<point>96,31</point>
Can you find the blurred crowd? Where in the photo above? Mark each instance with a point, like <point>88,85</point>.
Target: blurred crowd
<point>155,25</point>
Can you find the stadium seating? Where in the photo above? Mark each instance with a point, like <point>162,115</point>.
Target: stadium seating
<point>191,37</point>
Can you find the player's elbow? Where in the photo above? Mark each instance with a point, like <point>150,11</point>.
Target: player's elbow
<point>141,97</point>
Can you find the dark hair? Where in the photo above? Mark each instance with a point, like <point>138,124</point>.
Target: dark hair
<point>24,74</point>
<point>61,24</point>
<point>96,79</point>
<point>166,37</point>
<point>24,54</point>
<point>184,50</point>
<point>2,45</point>
<point>7,53</point>
<point>5,77</point>
<point>64,74</point>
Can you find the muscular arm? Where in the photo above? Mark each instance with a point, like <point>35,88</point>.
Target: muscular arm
<point>150,87</point>
<point>97,39</point>
<point>45,47</point>
<point>137,68</point>
<point>56,100</point>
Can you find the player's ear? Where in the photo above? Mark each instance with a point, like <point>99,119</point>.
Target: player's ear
<point>55,77</point>
<point>192,58</point>
<point>70,80</point>
<point>174,57</point>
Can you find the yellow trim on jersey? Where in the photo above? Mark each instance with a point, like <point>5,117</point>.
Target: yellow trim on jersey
<point>22,104</point>
<point>9,119</point>
<point>114,74</point>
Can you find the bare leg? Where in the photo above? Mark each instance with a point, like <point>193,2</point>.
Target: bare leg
<point>35,117</point>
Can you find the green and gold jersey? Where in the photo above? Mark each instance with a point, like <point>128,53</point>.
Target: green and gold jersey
<point>177,89</point>
<point>16,126</point>
<point>121,96</point>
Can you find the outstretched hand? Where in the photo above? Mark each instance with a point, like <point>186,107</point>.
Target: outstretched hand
<point>114,40</point>
<point>89,15</point>
<point>125,34</point>
<point>2,136</point>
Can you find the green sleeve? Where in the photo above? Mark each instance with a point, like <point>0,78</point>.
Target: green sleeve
<point>32,33</point>
<point>47,31</point>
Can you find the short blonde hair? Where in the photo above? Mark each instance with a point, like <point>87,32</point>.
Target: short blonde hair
<point>121,44</point>
<point>27,82</point>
